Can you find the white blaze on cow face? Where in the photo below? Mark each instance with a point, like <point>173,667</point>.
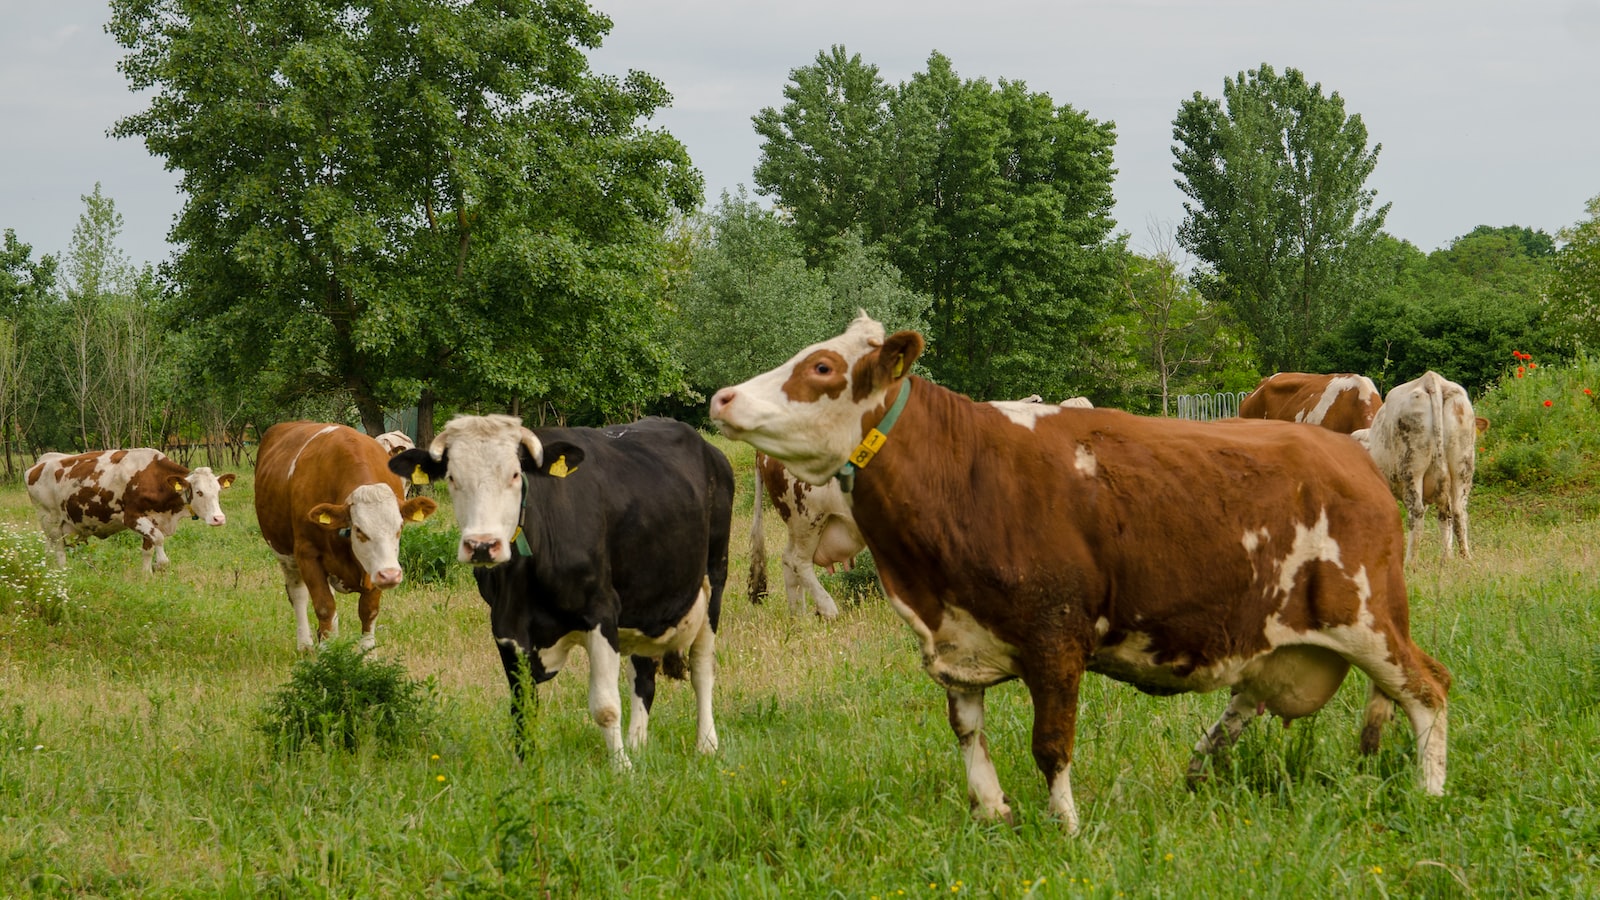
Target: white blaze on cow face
<point>485,477</point>
<point>806,412</point>
<point>205,499</point>
<point>373,516</point>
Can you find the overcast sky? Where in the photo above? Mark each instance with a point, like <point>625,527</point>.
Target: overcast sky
<point>1488,112</point>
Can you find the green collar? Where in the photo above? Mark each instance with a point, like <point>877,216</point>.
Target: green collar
<point>873,442</point>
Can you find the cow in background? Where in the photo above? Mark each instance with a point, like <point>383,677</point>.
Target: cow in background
<point>819,527</point>
<point>1342,403</point>
<point>612,539</point>
<point>332,512</point>
<point>1424,441</point>
<point>100,493</point>
<point>395,442</point>
<point>1175,556</point>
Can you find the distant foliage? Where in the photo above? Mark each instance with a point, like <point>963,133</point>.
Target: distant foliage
<point>1544,422</point>
<point>428,554</point>
<point>30,584</point>
<point>340,697</point>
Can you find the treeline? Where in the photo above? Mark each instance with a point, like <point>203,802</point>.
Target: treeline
<point>438,206</point>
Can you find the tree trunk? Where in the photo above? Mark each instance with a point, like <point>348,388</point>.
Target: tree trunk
<point>425,403</point>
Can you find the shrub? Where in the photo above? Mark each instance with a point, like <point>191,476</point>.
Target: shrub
<point>1544,422</point>
<point>340,696</point>
<point>30,584</point>
<point>861,582</point>
<point>428,554</point>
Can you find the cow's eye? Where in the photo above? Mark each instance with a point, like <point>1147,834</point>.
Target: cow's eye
<point>515,477</point>
<point>823,368</point>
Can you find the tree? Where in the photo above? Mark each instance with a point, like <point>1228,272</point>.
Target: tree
<point>990,199</point>
<point>1277,172</point>
<point>1173,325</point>
<point>25,290</point>
<point>751,301</point>
<point>1575,284</point>
<point>413,202</point>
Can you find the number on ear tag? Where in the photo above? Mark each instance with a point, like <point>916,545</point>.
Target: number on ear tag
<point>325,519</point>
<point>418,476</point>
<point>559,467</point>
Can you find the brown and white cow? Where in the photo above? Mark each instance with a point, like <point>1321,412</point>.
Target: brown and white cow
<point>820,532</point>
<point>1177,556</point>
<point>1424,441</point>
<point>819,528</point>
<point>1342,403</point>
<point>395,442</point>
<point>332,512</point>
<point>100,493</point>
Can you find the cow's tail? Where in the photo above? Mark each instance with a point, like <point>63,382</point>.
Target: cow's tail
<point>758,544</point>
<point>1436,399</point>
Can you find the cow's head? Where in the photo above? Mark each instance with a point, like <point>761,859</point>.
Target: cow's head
<point>202,493</point>
<point>808,412</point>
<point>484,460</point>
<point>371,519</point>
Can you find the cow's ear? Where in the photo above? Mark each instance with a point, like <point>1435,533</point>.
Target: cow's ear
<point>1482,424</point>
<point>419,466</point>
<point>179,485</point>
<point>895,357</point>
<point>227,480</point>
<point>332,516</point>
<point>417,509</point>
<point>560,459</point>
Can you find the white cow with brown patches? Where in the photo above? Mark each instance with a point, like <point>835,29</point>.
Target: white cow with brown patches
<point>103,492</point>
<point>1257,556</point>
<point>1424,441</point>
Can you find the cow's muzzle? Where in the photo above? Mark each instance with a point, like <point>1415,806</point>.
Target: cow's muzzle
<point>482,551</point>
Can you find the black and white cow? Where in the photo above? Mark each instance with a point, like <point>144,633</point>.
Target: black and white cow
<point>612,539</point>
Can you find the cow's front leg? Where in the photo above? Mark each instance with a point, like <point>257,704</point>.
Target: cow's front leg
<point>299,601</point>
<point>155,556</point>
<point>605,700</point>
<point>703,676</point>
<point>369,616</point>
<point>1055,723</point>
<point>643,680</point>
<point>983,784</point>
<point>315,578</point>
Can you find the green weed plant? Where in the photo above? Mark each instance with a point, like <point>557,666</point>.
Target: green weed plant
<point>340,697</point>
<point>30,584</point>
<point>1544,423</point>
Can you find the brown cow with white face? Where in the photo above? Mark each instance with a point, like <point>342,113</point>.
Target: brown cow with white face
<point>1176,556</point>
<point>1424,441</point>
<point>1342,403</point>
<point>100,493</point>
<point>332,512</point>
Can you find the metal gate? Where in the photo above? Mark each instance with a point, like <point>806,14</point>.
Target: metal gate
<point>1206,407</point>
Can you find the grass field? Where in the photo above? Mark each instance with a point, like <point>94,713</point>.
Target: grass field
<point>130,765</point>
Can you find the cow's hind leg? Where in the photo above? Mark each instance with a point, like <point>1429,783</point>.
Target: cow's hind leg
<point>644,696</point>
<point>984,795</point>
<point>703,677</point>
<point>1419,684</point>
<point>605,700</point>
<point>1223,735</point>
<point>299,601</point>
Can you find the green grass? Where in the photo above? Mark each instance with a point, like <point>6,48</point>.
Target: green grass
<point>130,764</point>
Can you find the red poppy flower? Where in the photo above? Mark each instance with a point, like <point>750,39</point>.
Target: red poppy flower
<point>1516,354</point>
<point>1521,370</point>
<point>1533,365</point>
<point>1548,403</point>
<point>1587,391</point>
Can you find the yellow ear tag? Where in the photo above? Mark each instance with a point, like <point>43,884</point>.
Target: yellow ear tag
<point>325,519</point>
<point>418,476</point>
<point>418,516</point>
<point>899,365</point>
<point>559,467</point>
<point>177,485</point>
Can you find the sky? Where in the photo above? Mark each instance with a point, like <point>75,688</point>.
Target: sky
<point>1486,112</point>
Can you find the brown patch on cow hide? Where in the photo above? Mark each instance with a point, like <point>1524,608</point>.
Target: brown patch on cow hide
<point>117,456</point>
<point>83,468</point>
<point>34,473</point>
<point>150,489</point>
<point>92,503</point>
<point>820,374</point>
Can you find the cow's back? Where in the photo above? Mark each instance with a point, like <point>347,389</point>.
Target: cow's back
<point>302,464</point>
<point>1341,402</point>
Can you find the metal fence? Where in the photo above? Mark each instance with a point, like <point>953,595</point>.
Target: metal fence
<point>1205,407</point>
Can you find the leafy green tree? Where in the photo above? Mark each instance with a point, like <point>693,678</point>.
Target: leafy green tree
<point>1460,311</point>
<point>413,202</point>
<point>992,200</point>
<point>751,300</point>
<point>1575,283</point>
<point>1172,327</point>
<point>1276,173</point>
<point>26,288</point>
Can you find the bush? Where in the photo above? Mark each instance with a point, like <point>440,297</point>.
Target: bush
<point>340,697</point>
<point>428,554</point>
<point>1544,422</point>
<point>30,584</point>
<point>861,582</point>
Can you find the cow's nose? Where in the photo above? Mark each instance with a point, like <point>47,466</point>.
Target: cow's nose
<point>218,519</point>
<point>720,401</point>
<point>480,550</point>
<point>387,578</point>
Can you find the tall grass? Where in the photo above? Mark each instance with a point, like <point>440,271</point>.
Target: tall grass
<point>129,764</point>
